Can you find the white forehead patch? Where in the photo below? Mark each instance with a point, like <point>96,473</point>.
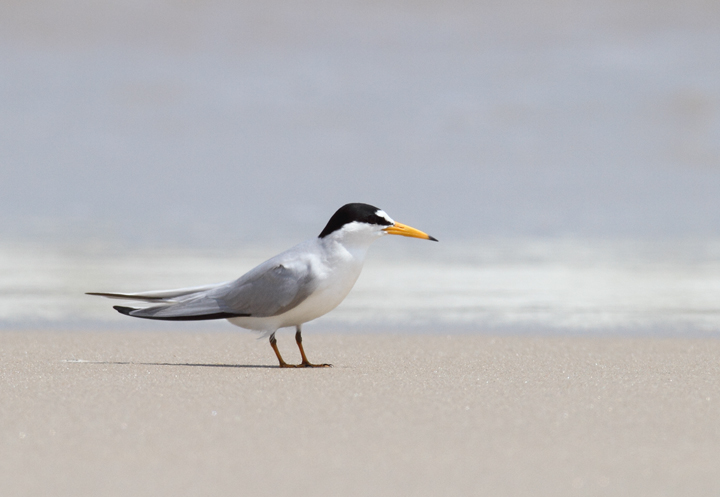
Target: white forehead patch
<point>381,213</point>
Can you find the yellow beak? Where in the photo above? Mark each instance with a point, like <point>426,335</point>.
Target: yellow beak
<point>404,230</point>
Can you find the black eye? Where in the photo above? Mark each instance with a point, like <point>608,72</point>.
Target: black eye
<point>362,213</point>
<point>375,219</point>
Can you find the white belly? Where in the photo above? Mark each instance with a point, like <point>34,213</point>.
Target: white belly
<point>332,288</point>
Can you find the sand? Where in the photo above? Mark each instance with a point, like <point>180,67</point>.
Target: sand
<point>207,413</point>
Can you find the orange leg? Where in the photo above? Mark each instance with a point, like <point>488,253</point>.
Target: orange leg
<point>305,363</point>
<point>273,344</point>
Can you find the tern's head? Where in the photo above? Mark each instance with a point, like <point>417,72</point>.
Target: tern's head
<point>368,222</point>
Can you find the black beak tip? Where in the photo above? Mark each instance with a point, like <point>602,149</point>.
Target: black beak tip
<point>432,238</point>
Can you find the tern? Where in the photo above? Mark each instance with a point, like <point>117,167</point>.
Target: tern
<point>294,287</point>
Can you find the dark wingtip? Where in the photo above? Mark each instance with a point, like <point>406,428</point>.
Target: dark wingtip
<point>124,310</point>
<point>432,238</point>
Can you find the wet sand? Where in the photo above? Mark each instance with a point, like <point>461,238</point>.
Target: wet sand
<point>208,413</point>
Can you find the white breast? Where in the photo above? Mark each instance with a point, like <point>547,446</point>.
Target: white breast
<point>335,270</point>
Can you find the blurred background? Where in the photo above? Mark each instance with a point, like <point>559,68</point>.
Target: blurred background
<point>566,154</point>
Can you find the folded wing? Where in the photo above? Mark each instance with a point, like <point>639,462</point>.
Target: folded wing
<point>268,290</point>
<point>156,296</point>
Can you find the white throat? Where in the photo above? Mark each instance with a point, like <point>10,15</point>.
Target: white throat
<point>355,238</point>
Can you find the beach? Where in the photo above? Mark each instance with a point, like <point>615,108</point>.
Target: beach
<point>209,413</point>
<point>562,339</point>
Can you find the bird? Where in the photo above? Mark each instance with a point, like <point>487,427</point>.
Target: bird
<point>288,290</point>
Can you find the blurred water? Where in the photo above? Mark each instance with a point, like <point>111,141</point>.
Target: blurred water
<point>166,138</point>
<point>199,123</point>
<point>519,284</point>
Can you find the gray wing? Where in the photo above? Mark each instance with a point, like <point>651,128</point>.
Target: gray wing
<point>270,289</point>
<point>159,295</point>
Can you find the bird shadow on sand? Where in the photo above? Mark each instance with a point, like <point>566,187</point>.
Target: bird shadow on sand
<point>182,364</point>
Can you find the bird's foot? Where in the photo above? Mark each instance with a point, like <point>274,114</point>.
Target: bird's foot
<point>306,364</point>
